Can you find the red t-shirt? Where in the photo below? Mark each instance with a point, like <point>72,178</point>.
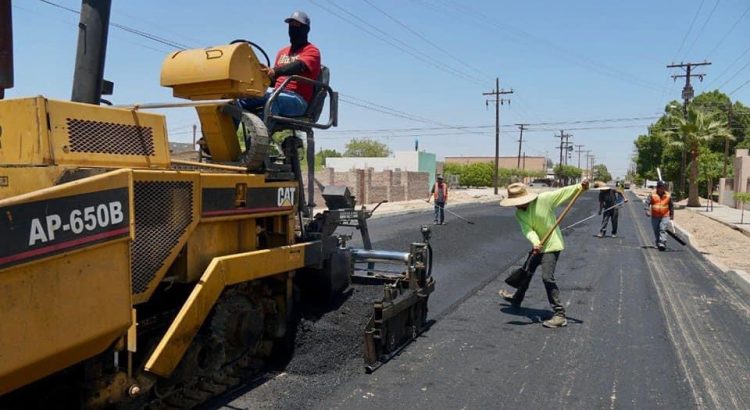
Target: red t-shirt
<point>310,55</point>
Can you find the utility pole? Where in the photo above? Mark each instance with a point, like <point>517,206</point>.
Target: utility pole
<point>195,129</point>
<point>587,161</point>
<point>593,158</point>
<point>497,92</point>
<point>6,47</point>
<point>521,127</point>
<point>93,29</point>
<point>563,146</point>
<point>726,140</point>
<point>687,95</point>
<point>579,154</point>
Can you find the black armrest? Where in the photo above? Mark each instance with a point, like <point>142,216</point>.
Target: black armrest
<point>332,105</point>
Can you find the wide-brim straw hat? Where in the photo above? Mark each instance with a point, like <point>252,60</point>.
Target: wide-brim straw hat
<point>518,195</point>
<point>601,186</point>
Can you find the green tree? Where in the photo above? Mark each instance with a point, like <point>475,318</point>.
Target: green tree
<point>601,173</point>
<point>566,173</point>
<point>481,174</point>
<point>710,169</point>
<point>743,198</point>
<point>478,175</point>
<point>650,151</point>
<point>320,157</point>
<point>690,133</point>
<point>365,147</point>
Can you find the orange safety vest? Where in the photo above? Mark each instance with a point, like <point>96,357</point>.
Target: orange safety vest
<point>659,205</point>
<point>444,188</point>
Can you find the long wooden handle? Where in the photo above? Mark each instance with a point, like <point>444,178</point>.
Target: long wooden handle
<point>560,218</point>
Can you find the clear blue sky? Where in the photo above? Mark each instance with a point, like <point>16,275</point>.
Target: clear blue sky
<point>566,61</point>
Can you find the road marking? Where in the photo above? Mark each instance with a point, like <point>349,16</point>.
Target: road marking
<point>613,396</point>
<point>619,304</point>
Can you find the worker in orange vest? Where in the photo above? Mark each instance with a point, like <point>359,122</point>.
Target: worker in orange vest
<point>440,193</point>
<point>661,212</point>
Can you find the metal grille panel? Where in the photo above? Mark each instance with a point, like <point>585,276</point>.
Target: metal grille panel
<point>110,138</point>
<point>163,212</point>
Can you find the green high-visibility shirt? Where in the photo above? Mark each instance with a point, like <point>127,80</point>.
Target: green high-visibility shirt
<point>540,216</point>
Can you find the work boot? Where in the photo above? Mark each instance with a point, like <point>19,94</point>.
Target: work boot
<point>509,297</point>
<point>558,320</point>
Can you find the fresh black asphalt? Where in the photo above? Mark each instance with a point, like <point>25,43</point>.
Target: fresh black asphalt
<point>646,328</point>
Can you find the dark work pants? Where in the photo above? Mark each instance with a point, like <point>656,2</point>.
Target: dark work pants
<point>611,214</point>
<point>548,261</point>
<point>439,212</point>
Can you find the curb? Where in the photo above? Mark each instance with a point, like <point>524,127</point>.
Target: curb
<point>684,234</point>
<point>740,278</point>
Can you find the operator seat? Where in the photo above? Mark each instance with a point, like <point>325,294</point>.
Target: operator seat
<point>314,108</point>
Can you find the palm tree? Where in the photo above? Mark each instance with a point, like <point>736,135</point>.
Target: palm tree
<point>689,133</point>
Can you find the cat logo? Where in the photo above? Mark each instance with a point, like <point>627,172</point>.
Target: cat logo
<point>285,196</point>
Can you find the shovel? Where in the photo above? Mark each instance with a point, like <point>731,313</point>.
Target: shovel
<point>519,276</point>
<point>674,234</point>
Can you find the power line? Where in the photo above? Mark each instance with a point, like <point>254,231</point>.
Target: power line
<point>738,88</point>
<point>690,28</point>
<point>461,127</point>
<point>734,75</point>
<point>703,27</point>
<point>731,29</point>
<point>726,70</point>
<point>394,42</point>
<point>570,55</point>
<point>423,38</point>
<point>131,30</point>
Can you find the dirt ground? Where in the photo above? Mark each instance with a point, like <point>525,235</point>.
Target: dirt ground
<point>716,241</point>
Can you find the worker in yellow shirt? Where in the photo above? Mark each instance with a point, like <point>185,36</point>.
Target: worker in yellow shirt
<point>536,216</point>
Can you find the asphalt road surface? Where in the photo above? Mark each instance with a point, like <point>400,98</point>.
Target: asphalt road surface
<point>646,328</point>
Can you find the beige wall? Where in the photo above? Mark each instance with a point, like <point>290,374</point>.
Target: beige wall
<point>739,183</point>
<point>371,187</point>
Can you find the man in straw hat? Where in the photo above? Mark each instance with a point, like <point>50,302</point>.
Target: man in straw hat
<point>608,198</point>
<point>536,216</point>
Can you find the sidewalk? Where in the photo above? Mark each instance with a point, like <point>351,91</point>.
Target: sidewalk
<point>728,216</point>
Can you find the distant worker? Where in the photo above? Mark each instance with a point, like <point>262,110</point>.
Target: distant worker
<point>299,58</point>
<point>439,191</point>
<point>536,216</point>
<point>661,208</point>
<point>608,198</point>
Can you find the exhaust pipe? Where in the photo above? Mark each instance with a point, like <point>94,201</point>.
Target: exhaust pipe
<point>93,29</point>
<point>368,255</point>
<point>6,47</point>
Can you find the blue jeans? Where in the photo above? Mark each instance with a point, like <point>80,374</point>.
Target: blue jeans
<point>287,104</point>
<point>439,212</point>
<point>659,225</point>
